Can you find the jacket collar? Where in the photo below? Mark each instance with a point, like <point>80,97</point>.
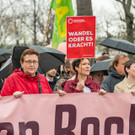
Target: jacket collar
<point>129,83</point>
<point>87,82</point>
<point>21,74</point>
<point>114,73</point>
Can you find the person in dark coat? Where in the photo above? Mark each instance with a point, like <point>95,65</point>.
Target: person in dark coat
<point>51,77</point>
<point>116,73</point>
<point>66,74</point>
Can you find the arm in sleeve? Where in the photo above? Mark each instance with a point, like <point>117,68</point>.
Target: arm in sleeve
<point>58,85</point>
<point>104,86</point>
<point>118,89</point>
<point>67,88</point>
<point>7,88</point>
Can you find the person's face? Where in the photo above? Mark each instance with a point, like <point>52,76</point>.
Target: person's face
<point>52,72</point>
<point>70,69</point>
<point>98,76</point>
<point>30,64</point>
<point>120,67</point>
<point>84,67</point>
<point>131,70</point>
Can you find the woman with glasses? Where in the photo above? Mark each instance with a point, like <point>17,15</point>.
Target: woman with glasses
<point>26,79</point>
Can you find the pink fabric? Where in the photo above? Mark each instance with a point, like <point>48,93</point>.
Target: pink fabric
<point>93,108</point>
<point>62,47</point>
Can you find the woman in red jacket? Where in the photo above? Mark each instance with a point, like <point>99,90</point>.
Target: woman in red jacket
<point>26,80</point>
<point>82,82</point>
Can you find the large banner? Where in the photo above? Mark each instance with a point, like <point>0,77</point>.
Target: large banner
<point>72,114</point>
<point>80,37</point>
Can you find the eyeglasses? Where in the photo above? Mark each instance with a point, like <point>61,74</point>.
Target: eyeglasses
<point>31,62</point>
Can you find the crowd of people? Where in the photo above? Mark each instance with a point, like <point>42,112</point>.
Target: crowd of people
<point>73,77</point>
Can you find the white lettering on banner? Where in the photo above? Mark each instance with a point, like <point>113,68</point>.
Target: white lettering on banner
<point>85,44</point>
<point>79,21</point>
<point>70,21</point>
<point>79,39</point>
<point>80,33</point>
<point>76,39</point>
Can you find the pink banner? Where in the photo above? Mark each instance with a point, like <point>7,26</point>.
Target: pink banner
<point>73,114</point>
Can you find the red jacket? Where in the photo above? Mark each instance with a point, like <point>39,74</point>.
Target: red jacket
<point>69,86</point>
<point>18,81</point>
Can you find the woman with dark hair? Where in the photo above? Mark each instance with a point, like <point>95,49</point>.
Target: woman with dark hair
<point>128,84</point>
<point>81,82</point>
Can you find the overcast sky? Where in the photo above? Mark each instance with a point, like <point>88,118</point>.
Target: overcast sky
<point>103,3</point>
<point>98,5</point>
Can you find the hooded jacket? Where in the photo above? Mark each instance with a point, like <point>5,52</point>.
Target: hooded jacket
<point>18,81</point>
<point>69,86</point>
<point>111,80</point>
<point>52,83</point>
<point>63,77</point>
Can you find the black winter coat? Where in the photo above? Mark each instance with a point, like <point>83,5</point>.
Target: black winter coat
<point>111,80</point>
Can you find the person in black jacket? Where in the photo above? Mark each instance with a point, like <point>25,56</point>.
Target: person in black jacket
<point>116,73</point>
<point>51,77</point>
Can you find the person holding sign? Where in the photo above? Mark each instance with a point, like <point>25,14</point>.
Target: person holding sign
<point>82,82</point>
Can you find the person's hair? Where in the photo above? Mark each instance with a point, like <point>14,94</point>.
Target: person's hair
<point>105,52</point>
<point>76,63</point>
<point>29,52</point>
<point>116,59</point>
<point>67,63</point>
<point>128,65</point>
<point>100,58</point>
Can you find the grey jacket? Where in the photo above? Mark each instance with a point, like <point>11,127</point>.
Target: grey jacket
<point>111,80</point>
<point>63,77</point>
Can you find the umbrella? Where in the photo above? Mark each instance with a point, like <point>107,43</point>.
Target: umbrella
<point>49,58</point>
<point>17,52</point>
<point>4,54</point>
<point>101,66</point>
<point>12,63</point>
<point>6,69</point>
<point>119,44</point>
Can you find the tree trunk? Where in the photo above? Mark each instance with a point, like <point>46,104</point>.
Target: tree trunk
<point>127,4</point>
<point>129,21</point>
<point>84,8</point>
<point>35,21</point>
